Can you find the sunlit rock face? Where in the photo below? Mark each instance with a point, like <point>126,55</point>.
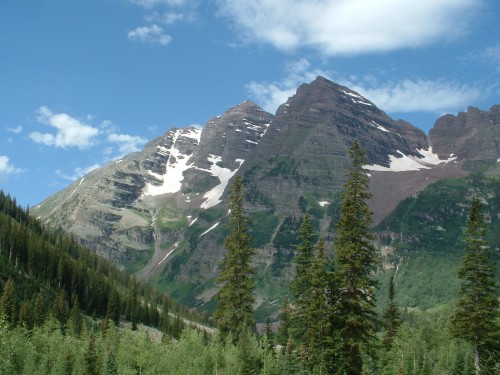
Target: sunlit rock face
<point>162,214</point>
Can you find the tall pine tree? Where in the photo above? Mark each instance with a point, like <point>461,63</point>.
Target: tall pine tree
<point>391,318</point>
<point>355,261</point>
<point>8,302</point>
<point>301,284</point>
<point>235,300</point>
<point>318,327</point>
<point>477,313</point>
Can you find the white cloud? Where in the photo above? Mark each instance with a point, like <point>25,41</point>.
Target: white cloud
<point>127,143</point>
<point>271,95</point>
<point>339,27</point>
<point>405,95</point>
<point>492,54</point>
<point>70,132</point>
<point>153,3</point>
<point>16,130</point>
<point>77,173</point>
<point>168,17</point>
<point>418,95</point>
<point>150,34</point>
<point>6,167</point>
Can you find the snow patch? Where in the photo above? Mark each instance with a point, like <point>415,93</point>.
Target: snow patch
<point>378,126</point>
<point>411,163</point>
<point>323,203</point>
<point>352,94</point>
<point>224,175</point>
<point>74,191</point>
<point>209,229</point>
<point>166,256</point>
<point>173,177</point>
<point>192,222</point>
<point>360,102</point>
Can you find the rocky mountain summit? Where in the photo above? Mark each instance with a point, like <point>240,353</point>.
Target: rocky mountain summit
<point>161,212</point>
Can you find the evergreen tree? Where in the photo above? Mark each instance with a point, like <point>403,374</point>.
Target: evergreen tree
<point>301,284</point>
<point>92,358</point>
<point>234,313</point>
<point>318,328</point>
<point>60,307</point>
<point>75,320</point>
<point>8,302</point>
<point>476,317</point>
<point>355,261</point>
<point>113,308</point>
<point>390,318</point>
<point>284,327</point>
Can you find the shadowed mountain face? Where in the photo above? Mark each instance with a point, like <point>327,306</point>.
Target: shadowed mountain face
<point>162,213</point>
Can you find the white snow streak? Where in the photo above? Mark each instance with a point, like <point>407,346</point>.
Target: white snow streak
<point>166,256</point>
<point>209,229</point>
<point>173,177</point>
<point>224,175</point>
<point>378,126</point>
<point>410,163</point>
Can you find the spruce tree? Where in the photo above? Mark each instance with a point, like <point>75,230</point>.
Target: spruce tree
<point>113,309</point>
<point>477,314</point>
<point>284,327</point>
<point>301,284</point>
<point>235,300</point>
<point>317,310</point>
<point>391,318</point>
<point>355,261</point>
<point>8,302</point>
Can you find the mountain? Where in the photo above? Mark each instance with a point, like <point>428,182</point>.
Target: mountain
<point>161,212</point>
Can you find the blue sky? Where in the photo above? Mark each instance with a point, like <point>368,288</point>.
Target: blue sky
<point>85,81</point>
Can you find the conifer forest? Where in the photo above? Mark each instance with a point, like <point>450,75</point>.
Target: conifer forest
<point>66,310</point>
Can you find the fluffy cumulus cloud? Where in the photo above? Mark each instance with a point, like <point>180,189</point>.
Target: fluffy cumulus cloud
<point>6,167</point>
<point>405,95</point>
<point>69,131</point>
<point>270,95</point>
<point>150,34</point>
<point>127,143</point>
<point>417,95</point>
<point>77,173</point>
<point>339,27</point>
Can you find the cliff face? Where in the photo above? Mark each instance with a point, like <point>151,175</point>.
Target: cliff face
<point>162,214</point>
<point>473,135</point>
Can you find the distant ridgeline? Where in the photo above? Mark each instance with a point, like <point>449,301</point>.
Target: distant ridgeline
<point>47,273</point>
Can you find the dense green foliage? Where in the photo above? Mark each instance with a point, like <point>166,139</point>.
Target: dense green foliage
<point>44,272</point>
<point>234,314</point>
<point>476,316</point>
<point>424,238</point>
<point>65,310</point>
<point>355,262</point>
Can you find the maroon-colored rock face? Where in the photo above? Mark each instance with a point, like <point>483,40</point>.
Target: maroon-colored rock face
<point>473,135</point>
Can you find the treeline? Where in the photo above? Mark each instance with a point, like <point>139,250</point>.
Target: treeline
<point>46,272</point>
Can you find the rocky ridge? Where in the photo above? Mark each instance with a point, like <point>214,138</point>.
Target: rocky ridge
<point>161,212</point>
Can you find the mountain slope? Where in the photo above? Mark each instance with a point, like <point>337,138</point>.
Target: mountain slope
<point>162,212</point>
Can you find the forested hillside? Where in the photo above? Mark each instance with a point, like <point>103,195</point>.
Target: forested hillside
<point>65,310</point>
<point>46,273</point>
